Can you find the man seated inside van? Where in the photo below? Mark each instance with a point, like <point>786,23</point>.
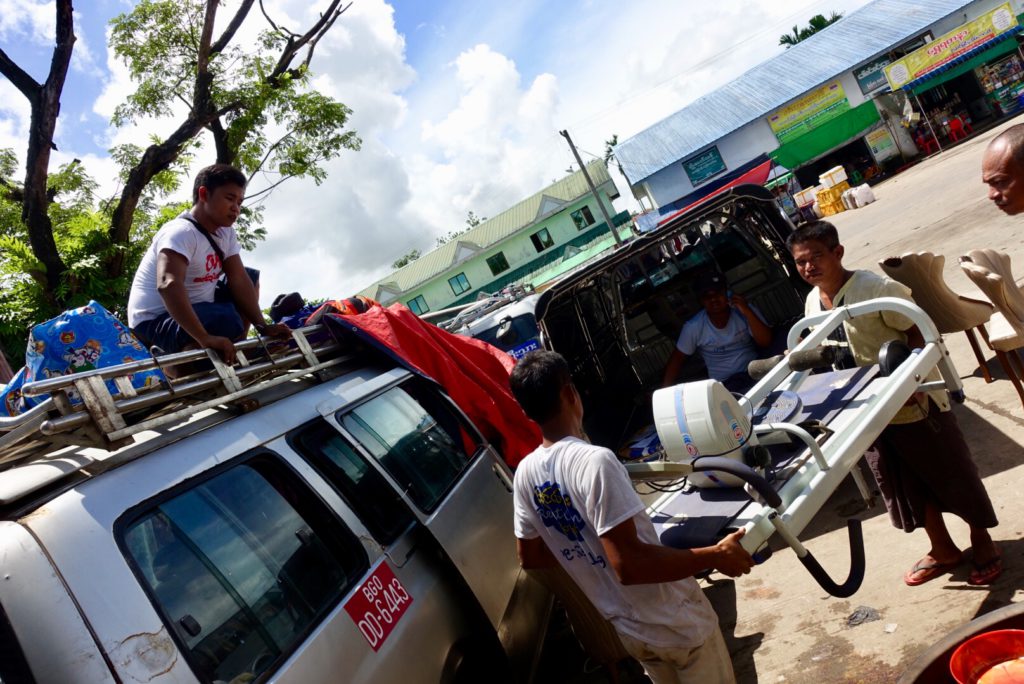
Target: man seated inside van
<point>727,333</point>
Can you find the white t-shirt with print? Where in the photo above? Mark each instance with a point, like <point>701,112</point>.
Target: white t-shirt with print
<point>726,351</point>
<point>572,492</point>
<point>201,274</point>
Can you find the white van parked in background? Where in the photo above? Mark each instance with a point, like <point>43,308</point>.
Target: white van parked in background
<point>351,526</point>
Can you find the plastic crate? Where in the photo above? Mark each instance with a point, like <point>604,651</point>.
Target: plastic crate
<point>833,177</point>
<point>832,208</point>
<point>828,196</point>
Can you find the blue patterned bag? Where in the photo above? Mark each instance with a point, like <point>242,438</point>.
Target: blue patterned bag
<point>77,340</point>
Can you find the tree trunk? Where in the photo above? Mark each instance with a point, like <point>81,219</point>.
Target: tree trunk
<point>156,158</point>
<point>45,102</point>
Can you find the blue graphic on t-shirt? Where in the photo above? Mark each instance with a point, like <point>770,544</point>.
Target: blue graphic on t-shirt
<point>556,510</point>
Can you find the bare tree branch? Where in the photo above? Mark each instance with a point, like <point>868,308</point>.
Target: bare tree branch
<point>271,22</point>
<point>225,155</point>
<point>266,190</point>
<point>45,108</point>
<point>229,32</point>
<point>316,40</point>
<point>312,36</point>
<point>18,76</point>
<point>203,56</point>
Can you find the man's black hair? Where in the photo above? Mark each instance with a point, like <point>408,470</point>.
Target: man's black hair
<point>1014,138</point>
<point>537,382</point>
<point>815,231</point>
<point>215,176</point>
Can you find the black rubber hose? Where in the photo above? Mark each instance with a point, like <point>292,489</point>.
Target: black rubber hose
<point>742,471</point>
<point>857,565</point>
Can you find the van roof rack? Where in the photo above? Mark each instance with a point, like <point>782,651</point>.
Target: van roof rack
<point>487,305</point>
<point>82,411</point>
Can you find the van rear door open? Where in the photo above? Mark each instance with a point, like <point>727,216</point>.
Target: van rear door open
<point>617,319</point>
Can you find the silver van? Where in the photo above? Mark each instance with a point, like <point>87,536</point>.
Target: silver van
<point>319,516</point>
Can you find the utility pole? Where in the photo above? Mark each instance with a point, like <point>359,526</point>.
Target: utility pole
<point>593,190</point>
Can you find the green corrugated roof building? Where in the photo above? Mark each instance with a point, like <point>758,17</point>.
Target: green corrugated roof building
<point>525,239</point>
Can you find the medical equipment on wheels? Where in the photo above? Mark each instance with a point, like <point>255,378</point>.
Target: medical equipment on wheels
<point>703,418</point>
<point>841,414</point>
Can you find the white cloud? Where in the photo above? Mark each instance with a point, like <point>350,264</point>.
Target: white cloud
<point>27,19</point>
<point>82,58</point>
<point>494,148</point>
<point>472,127</point>
<point>14,119</point>
<point>335,239</point>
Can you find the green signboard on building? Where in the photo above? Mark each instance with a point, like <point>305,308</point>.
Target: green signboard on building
<point>703,166</point>
<point>803,115</point>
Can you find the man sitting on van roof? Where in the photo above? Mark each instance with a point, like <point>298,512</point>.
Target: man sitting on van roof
<point>727,334</point>
<point>175,302</point>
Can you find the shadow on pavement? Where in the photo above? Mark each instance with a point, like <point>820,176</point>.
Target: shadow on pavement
<point>722,595</point>
<point>993,450</point>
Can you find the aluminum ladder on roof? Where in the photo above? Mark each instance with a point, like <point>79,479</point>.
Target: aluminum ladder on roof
<point>81,410</point>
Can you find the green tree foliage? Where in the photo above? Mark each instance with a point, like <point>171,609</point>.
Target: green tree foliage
<point>80,232</point>
<point>411,256</point>
<point>236,93</point>
<point>60,245</point>
<point>609,152</point>
<point>472,221</point>
<point>814,24</point>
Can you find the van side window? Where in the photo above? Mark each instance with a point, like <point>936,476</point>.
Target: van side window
<point>417,437</point>
<point>365,490</point>
<point>242,565</point>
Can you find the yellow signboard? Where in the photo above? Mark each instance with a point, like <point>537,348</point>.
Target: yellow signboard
<point>809,112</point>
<point>949,46</point>
<point>881,144</point>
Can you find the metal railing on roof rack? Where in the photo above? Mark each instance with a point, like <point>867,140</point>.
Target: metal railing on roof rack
<point>81,410</point>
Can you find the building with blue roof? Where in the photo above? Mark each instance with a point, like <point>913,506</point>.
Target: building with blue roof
<point>831,99</point>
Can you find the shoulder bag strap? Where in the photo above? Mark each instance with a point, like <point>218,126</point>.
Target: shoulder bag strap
<point>209,238</point>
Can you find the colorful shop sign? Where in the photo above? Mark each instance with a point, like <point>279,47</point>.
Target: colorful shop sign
<point>881,144</point>
<point>949,46</point>
<point>871,77</point>
<point>703,166</point>
<point>810,111</point>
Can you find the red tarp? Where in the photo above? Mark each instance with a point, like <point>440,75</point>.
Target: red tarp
<point>756,176</point>
<point>472,372</point>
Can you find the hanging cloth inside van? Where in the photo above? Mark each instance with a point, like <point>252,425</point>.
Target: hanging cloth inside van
<point>472,372</point>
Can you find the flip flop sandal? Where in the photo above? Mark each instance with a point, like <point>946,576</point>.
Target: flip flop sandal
<point>986,573</point>
<point>926,570</point>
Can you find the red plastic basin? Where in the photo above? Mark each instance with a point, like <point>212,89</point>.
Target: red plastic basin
<point>990,658</point>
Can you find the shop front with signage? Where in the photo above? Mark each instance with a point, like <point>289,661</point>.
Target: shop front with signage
<point>821,130</point>
<point>969,77</point>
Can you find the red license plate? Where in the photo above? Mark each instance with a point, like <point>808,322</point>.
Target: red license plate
<point>378,604</point>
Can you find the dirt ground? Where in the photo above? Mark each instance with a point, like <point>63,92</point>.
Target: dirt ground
<point>779,625</point>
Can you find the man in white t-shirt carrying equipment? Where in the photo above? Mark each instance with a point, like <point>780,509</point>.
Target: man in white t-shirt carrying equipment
<point>174,301</point>
<point>727,334</point>
<point>575,505</point>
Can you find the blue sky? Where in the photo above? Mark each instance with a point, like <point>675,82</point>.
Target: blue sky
<point>458,103</point>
